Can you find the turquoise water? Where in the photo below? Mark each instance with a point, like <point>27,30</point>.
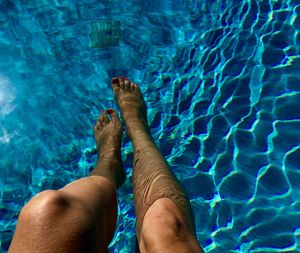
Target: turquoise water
<point>222,83</point>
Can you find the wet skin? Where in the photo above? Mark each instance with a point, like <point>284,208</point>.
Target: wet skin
<point>81,217</point>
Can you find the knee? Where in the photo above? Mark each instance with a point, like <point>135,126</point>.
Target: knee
<point>165,229</point>
<point>45,206</point>
<point>162,222</point>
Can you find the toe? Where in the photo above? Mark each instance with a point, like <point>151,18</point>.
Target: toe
<point>100,120</point>
<point>113,114</point>
<point>127,84</point>
<point>132,86</point>
<point>115,83</point>
<point>103,120</point>
<point>121,82</point>
<point>97,127</point>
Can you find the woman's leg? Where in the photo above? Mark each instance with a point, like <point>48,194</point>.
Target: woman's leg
<point>81,216</point>
<point>164,218</point>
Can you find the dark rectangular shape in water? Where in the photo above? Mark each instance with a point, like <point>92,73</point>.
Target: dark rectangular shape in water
<point>105,33</point>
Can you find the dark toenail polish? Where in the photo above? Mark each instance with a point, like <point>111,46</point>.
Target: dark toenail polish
<point>110,111</point>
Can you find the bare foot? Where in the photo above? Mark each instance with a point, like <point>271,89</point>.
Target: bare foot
<point>131,103</point>
<point>108,135</point>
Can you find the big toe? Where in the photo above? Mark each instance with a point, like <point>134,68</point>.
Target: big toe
<point>115,83</point>
<point>113,114</point>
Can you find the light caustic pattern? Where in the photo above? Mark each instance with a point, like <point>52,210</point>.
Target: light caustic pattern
<point>222,83</point>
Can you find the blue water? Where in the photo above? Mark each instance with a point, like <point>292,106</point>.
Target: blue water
<point>222,83</point>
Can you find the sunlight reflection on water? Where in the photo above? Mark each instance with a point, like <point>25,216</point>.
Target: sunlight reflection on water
<point>7,95</point>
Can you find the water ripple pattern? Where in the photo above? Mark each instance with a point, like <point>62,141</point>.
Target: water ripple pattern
<point>222,82</point>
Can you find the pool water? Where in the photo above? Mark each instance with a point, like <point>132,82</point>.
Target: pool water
<point>222,83</point>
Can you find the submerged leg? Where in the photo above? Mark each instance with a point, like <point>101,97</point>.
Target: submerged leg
<point>81,216</point>
<point>164,217</point>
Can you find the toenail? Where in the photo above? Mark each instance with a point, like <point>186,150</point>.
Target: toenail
<point>110,111</point>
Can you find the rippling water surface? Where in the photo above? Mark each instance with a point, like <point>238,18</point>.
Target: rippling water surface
<point>222,82</point>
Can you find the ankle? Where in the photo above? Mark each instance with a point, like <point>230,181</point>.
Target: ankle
<point>136,127</point>
<point>111,154</point>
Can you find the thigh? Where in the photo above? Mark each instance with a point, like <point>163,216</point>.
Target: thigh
<point>98,195</point>
<point>76,218</point>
